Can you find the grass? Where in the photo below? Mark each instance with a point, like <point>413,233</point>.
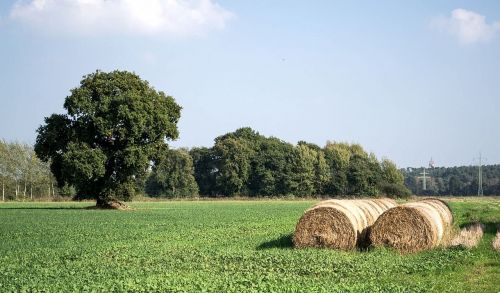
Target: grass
<point>220,246</point>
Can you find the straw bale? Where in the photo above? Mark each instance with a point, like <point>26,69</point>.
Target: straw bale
<point>414,226</point>
<point>339,224</point>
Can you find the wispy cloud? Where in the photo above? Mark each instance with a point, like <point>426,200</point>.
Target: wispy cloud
<point>137,17</point>
<point>468,26</point>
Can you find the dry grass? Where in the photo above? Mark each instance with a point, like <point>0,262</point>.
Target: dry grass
<point>496,240</point>
<point>339,224</point>
<point>414,226</point>
<point>469,236</point>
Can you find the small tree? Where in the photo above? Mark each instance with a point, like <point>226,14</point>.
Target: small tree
<point>392,183</point>
<point>15,164</point>
<point>115,125</point>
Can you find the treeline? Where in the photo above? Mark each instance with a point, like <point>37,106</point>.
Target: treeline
<point>453,180</point>
<point>22,174</point>
<point>241,163</point>
<point>248,164</point>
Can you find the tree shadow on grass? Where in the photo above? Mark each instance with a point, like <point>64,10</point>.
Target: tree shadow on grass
<point>43,208</point>
<point>283,241</point>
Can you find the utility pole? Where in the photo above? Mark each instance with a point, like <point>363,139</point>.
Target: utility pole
<point>480,177</point>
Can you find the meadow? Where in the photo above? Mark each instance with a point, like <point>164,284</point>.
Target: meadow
<point>220,246</point>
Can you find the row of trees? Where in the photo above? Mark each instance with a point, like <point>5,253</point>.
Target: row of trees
<point>22,174</point>
<point>453,180</point>
<point>246,163</point>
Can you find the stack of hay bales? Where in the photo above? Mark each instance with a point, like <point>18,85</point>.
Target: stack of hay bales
<point>413,226</point>
<point>339,224</point>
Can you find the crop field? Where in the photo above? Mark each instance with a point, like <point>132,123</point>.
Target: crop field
<point>220,246</point>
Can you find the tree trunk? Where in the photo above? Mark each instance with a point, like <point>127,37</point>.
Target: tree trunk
<point>49,190</point>
<point>106,203</point>
<point>100,202</point>
<point>3,190</point>
<point>24,192</point>
<point>17,189</point>
<point>31,191</point>
<point>52,184</point>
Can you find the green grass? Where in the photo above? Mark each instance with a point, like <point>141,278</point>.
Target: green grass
<point>219,246</point>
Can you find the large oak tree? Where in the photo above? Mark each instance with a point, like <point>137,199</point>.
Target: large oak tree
<point>115,125</point>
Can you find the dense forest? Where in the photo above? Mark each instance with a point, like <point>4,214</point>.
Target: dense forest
<point>453,180</point>
<point>249,164</point>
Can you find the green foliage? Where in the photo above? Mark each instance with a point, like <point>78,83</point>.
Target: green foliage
<point>271,168</point>
<point>67,191</point>
<point>232,157</point>
<point>337,156</point>
<point>115,125</point>
<point>246,163</point>
<point>22,174</point>
<point>322,175</point>
<point>453,180</point>
<point>173,175</point>
<point>304,170</point>
<point>393,190</point>
<point>393,180</point>
<point>391,173</point>
<point>360,176</point>
<point>83,164</point>
<point>204,169</point>
<point>219,246</point>
<point>454,185</point>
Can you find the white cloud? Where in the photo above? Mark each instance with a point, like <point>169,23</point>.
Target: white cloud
<point>468,26</point>
<point>137,17</point>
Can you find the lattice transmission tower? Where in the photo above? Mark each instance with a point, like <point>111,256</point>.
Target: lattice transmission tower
<point>424,177</point>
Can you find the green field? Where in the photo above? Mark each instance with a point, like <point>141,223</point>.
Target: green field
<point>186,246</point>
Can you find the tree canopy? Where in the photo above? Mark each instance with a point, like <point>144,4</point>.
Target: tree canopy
<point>116,124</point>
<point>173,175</point>
<point>246,163</point>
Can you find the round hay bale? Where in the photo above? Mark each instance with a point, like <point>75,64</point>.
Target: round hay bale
<point>444,206</point>
<point>413,226</point>
<point>339,224</point>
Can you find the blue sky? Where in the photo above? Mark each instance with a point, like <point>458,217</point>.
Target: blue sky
<point>409,80</point>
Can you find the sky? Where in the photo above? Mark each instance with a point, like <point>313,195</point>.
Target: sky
<point>408,80</point>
